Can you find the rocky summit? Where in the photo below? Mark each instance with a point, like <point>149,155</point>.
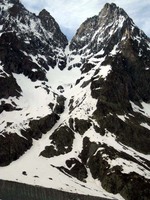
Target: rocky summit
<point>74,116</point>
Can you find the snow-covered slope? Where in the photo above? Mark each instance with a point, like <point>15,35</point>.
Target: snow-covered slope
<point>81,109</point>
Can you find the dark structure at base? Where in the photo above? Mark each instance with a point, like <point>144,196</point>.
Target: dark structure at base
<point>18,191</point>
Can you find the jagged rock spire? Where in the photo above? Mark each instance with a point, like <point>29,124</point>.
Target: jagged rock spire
<point>113,8</point>
<point>49,23</point>
<point>104,30</point>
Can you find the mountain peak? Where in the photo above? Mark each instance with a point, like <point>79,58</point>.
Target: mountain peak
<point>10,1</point>
<point>112,10</point>
<point>47,20</point>
<point>111,6</point>
<point>49,23</point>
<point>44,13</point>
<point>111,22</point>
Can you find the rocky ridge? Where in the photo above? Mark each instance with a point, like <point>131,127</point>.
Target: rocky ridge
<point>96,122</point>
<point>29,49</point>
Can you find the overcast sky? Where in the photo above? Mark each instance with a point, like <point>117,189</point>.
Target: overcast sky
<point>71,13</point>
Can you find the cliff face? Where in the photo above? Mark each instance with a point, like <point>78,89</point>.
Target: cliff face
<point>82,109</point>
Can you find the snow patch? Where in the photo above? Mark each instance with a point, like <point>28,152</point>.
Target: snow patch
<point>105,70</point>
<point>144,110</point>
<point>30,105</point>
